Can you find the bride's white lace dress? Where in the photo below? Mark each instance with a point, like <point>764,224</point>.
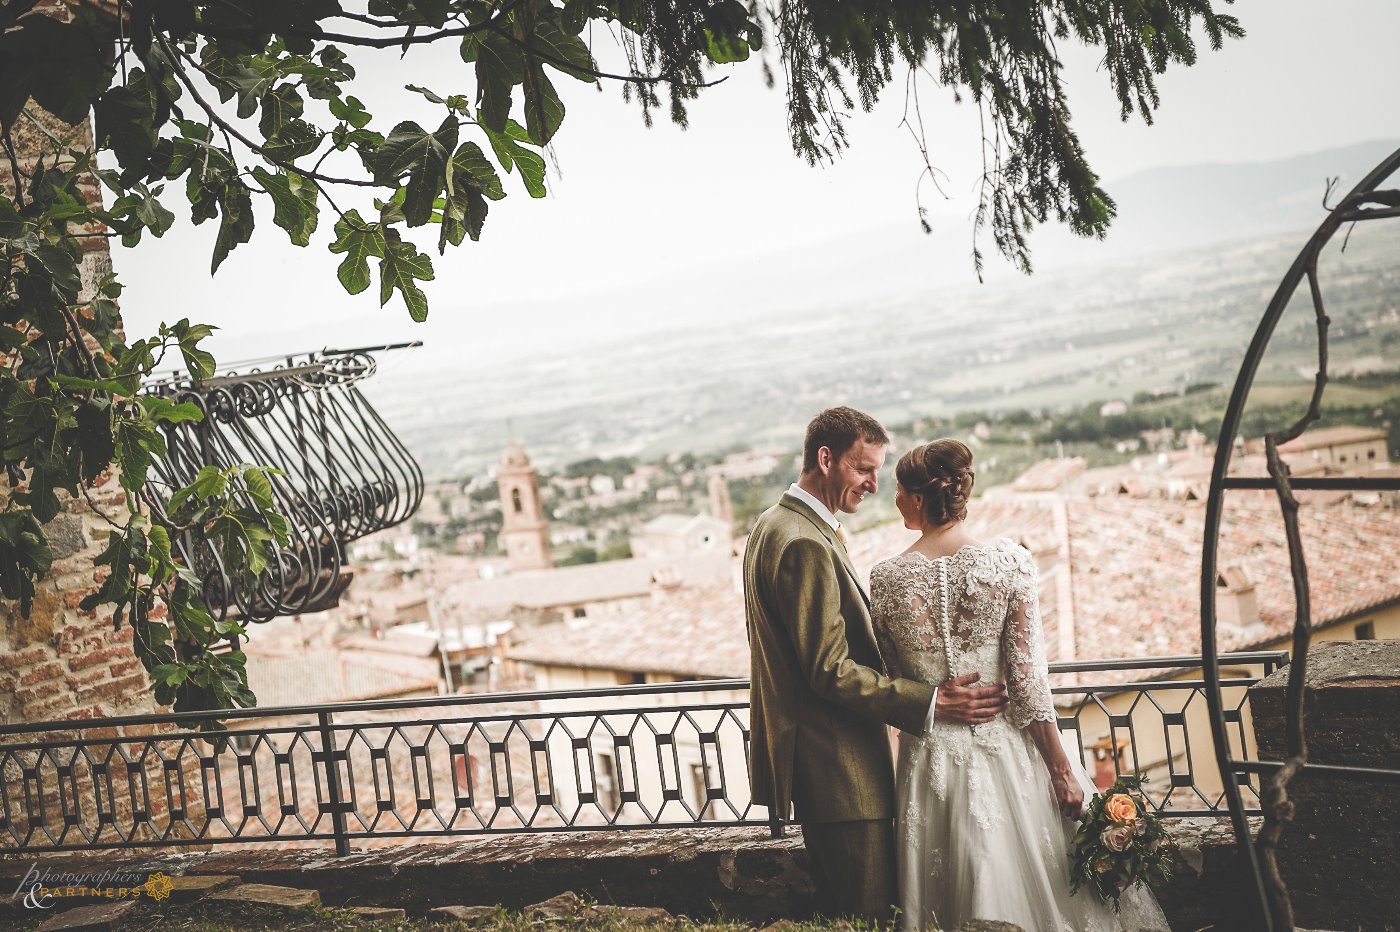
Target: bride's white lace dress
<point>979,835</point>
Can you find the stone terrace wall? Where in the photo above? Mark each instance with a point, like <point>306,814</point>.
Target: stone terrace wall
<point>1338,857</point>
<point>739,873</point>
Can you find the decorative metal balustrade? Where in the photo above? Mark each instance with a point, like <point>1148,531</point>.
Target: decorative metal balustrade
<point>1160,727</point>
<point>341,473</point>
<point>655,756</point>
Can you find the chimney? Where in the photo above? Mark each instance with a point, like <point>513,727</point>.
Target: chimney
<point>667,578</point>
<point>1236,603</point>
<point>1067,647</point>
<point>720,505</point>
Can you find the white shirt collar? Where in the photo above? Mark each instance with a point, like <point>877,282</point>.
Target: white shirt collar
<point>807,498</point>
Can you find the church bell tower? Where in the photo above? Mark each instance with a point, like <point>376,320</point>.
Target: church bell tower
<point>525,530</point>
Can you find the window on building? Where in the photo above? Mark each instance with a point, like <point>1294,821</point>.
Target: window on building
<point>606,783</point>
<point>1342,458</point>
<point>624,678</point>
<point>1366,631</point>
<point>515,501</point>
<point>580,612</point>
<point>1370,454</point>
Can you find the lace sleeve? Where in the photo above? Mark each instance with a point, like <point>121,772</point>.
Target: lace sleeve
<point>1023,648</point>
<point>882,600</point>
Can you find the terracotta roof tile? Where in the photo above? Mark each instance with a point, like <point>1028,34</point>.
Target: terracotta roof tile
<point>1320,437</point>
<point>589,582</point>
<point>329,676</point>
<point>1049,475</point>
<point>692,631</point>
<point>1134,584</point>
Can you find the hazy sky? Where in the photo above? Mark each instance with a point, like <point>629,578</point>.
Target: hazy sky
<point>646,227</point>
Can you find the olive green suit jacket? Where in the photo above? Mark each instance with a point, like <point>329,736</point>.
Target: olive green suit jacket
<point>819,700</point>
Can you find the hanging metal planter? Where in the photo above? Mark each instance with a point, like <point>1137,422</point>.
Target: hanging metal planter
<point>344,474</point>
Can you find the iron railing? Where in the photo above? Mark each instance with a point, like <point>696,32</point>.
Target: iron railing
<point>1160,727</point>
<point>651,756</point>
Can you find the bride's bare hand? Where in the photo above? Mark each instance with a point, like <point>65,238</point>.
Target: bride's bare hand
<point>1069,797</point>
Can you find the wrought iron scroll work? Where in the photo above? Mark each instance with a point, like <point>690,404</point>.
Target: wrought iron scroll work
<point>344,474</point>
<point>1365,202</point>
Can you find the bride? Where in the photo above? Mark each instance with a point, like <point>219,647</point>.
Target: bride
<point>985,812</point>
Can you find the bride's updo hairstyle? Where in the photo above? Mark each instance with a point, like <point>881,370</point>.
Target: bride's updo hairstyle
<point>940,471</point>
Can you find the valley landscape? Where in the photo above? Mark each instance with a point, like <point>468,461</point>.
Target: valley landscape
<point>1131,326</point>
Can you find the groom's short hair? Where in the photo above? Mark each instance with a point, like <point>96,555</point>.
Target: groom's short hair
<point>838,429</point>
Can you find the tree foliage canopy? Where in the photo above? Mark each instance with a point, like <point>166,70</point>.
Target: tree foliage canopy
<point>219,103</point>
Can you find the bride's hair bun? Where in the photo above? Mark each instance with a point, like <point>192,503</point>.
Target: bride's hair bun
<point>941,472</point>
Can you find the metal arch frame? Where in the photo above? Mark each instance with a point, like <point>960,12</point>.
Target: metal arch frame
<point>1348,210</point>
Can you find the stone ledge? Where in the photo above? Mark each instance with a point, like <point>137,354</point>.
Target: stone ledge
<point>377,913</point>
<point>285,898</point>
<point>1338,856</point>
<point>97,918</point>
<point>470,915</point>
<point>1206,885</point>
<point>741,873</point>
<point>194,886</point>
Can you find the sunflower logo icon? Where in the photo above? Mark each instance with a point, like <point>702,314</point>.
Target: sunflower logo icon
<point>158,886</point>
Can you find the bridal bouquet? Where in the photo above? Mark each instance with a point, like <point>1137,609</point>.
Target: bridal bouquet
<point>1119,842</point>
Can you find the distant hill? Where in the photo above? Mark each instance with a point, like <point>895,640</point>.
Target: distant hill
<point>1160,211</point>
<point>1187,206</point>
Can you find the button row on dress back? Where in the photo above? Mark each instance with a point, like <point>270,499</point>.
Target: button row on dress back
<point>945,626</point>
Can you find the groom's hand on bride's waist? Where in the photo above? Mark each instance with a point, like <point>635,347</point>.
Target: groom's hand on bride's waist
<point>962,702</point>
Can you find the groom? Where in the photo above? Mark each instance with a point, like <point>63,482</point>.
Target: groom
<point>819,694</point>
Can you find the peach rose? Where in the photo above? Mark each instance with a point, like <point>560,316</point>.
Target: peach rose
<point>1118,837</point>
<point>1120,808</point>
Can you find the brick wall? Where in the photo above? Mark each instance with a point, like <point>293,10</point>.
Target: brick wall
<point>61,662</point>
